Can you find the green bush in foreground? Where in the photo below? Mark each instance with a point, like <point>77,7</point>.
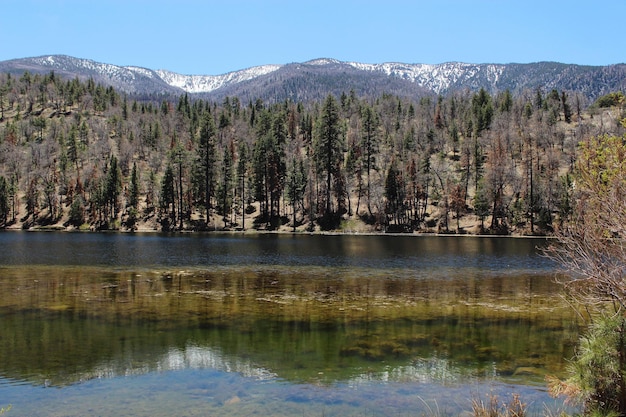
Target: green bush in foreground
<point>597,373</point>
<point>592,252</point>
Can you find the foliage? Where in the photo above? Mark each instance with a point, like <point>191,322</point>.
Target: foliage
<point>296,186</point>
<point>591,251</point>
<point>610,100</point>
<point>133,192</point>
<point>591,246</point>
<point>4,200</point>
<point>77,212</point>
<point>482,109</point>
<point>394,188</point>
<point>481,203</point>
<point>328,149</point>
<point>58,134</point>
<point>168,197</point>
<point>597,373</point>
<point>206,160</point>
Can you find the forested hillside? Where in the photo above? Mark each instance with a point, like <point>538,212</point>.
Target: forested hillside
<point>81,155</point>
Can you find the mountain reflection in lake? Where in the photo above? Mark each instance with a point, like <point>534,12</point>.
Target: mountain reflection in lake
<point>274,325</point>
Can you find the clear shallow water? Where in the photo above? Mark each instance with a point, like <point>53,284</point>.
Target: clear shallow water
<point>152,324</point>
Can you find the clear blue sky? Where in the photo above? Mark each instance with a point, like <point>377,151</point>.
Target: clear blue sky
<point>215,37</point>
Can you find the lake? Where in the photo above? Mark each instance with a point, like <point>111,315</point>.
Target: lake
<point>276,325</point>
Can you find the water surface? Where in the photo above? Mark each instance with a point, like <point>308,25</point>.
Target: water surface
<point>155,324</point>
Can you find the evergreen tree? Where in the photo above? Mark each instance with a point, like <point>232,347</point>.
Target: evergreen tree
<point>225,191</point>
<point>178,158</point>
<point>328,150</point>
<point>168,193</point>
<point>133,191</point>
<point>125,109</point>
<point>395,192</point>
<point>277,167</point>
<point>567,109</point>
<point>133,198</point>
<point>206,160</point>
<point>296,186</point>
<point>113,187</point>
<point>72,147</point>
<point>261,163</point>
<point>481,203</point>
<point>77,211</point>
<point>4,201</point>
<point>269,163</point>
<point>482,109</point>
<point>506,101</point>
<point>32,198</point>
<point>369,144</point>
<point>242,173</point>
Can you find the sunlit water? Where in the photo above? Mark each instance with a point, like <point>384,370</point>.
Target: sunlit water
<point>161,325</point>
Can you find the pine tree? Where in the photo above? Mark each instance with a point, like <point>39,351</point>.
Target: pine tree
<point>133,192</point>
<point>242,172</point>
<point>506,101</point>
<point>481,203</point>
<point>394,191</point>
<point>369,144</point>
<point>277,167</point>
<point>206,160</point>
<point>4,201</point>
<point>567,109</point>
<point>482,109</point>
<point>328,150</point>
<point>77,211</point>
<point>168,194</point>
<point>112,187</point>
<point>296,186</point>
<point>269,163</point>
<point>225,191</point>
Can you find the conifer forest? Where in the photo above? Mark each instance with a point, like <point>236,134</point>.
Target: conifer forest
<point>79,155</point>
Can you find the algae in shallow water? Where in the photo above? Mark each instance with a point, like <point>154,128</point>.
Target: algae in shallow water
<point>297,323</point>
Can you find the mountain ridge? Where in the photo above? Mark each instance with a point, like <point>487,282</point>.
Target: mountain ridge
<point>321,76</point>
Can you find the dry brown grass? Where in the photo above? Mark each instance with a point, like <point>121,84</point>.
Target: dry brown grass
<point>493,407</point>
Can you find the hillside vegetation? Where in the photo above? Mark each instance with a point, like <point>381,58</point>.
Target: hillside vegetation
<point>80,155</point>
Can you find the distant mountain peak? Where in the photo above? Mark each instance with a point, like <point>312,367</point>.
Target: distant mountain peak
<point>323,61</point>
<point>322,76</point>
<point>208,83</point>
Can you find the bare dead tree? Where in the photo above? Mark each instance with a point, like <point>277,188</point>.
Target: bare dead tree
<point>591,248</point>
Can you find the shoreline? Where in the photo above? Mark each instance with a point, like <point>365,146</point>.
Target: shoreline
<point>252,232</point>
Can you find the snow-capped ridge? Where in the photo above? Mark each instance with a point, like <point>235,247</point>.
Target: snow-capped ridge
<point>436,77</point>
<point>127,75</point>
<point>317,77</point>
<point>323,61</point>
<point>208,83</point>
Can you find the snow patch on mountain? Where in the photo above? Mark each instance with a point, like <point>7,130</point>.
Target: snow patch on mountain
<point>208,83</point>
<point>113,72</point>
<point>435,78</point>
<point>143,71</point>
<point>323,61</point>
<point>438,78</point>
